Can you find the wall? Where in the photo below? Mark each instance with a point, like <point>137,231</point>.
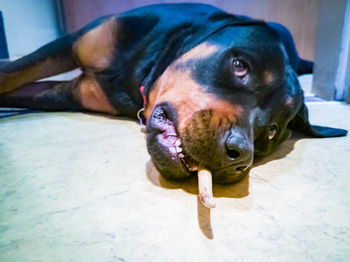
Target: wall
<point>332,63</point>
<point>29,24</point>
<point>300,16</point>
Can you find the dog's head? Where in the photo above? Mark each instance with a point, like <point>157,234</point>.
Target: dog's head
<point>231,95</point>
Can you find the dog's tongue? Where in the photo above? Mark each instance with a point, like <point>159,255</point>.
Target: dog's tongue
<point>168,139</point>
<point>205,188</point>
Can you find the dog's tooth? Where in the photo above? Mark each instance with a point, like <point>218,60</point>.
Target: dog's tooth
<point>172,150</point>
<point>178,149</point>
<point>181,155</point>
<point>178,143</point>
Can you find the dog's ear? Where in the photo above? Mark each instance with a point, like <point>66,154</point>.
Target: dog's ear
<point>301,124</point>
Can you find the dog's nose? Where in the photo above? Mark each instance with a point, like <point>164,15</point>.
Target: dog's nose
<point>238,147</point>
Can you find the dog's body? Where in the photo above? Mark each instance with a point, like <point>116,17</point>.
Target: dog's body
<point>217,87</point>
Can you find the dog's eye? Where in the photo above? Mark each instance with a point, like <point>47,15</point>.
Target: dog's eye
<point>271,131</point>
<point>240,67</point>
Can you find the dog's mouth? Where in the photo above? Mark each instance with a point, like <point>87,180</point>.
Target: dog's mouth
<point>170,155</point>
<point>173,156</point>
<point>168,140</point>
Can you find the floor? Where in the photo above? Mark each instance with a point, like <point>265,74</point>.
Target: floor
<point>81,187</point>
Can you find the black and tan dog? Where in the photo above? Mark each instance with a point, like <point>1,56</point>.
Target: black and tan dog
<point>215,88</point>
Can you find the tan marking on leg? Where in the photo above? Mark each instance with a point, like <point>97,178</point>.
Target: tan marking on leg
<point>95,49</point>
<point>13,80</point>
<point>93,98</point>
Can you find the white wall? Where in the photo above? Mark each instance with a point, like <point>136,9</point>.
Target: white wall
<point>299,16</point>
<point>29,24</point>
<point>332,56</point>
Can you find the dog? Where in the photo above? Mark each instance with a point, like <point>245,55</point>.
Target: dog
<point>212,89</point>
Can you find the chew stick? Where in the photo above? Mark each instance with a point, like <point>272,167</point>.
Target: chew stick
<point>205,187</point>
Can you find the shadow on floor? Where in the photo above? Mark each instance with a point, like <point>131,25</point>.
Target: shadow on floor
<point>239,189</point>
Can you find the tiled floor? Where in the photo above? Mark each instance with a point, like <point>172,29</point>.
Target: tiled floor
<point>80,187</point>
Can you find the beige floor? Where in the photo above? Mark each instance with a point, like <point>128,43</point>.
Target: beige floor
<point>80,187</point>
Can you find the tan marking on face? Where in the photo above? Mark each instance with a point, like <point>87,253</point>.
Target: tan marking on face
<point>167,79</point>
<point>95,48</point>
<point>93,98</point>
<point>188,97</point>
<point>199,52</point>
<point>268,77</point>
